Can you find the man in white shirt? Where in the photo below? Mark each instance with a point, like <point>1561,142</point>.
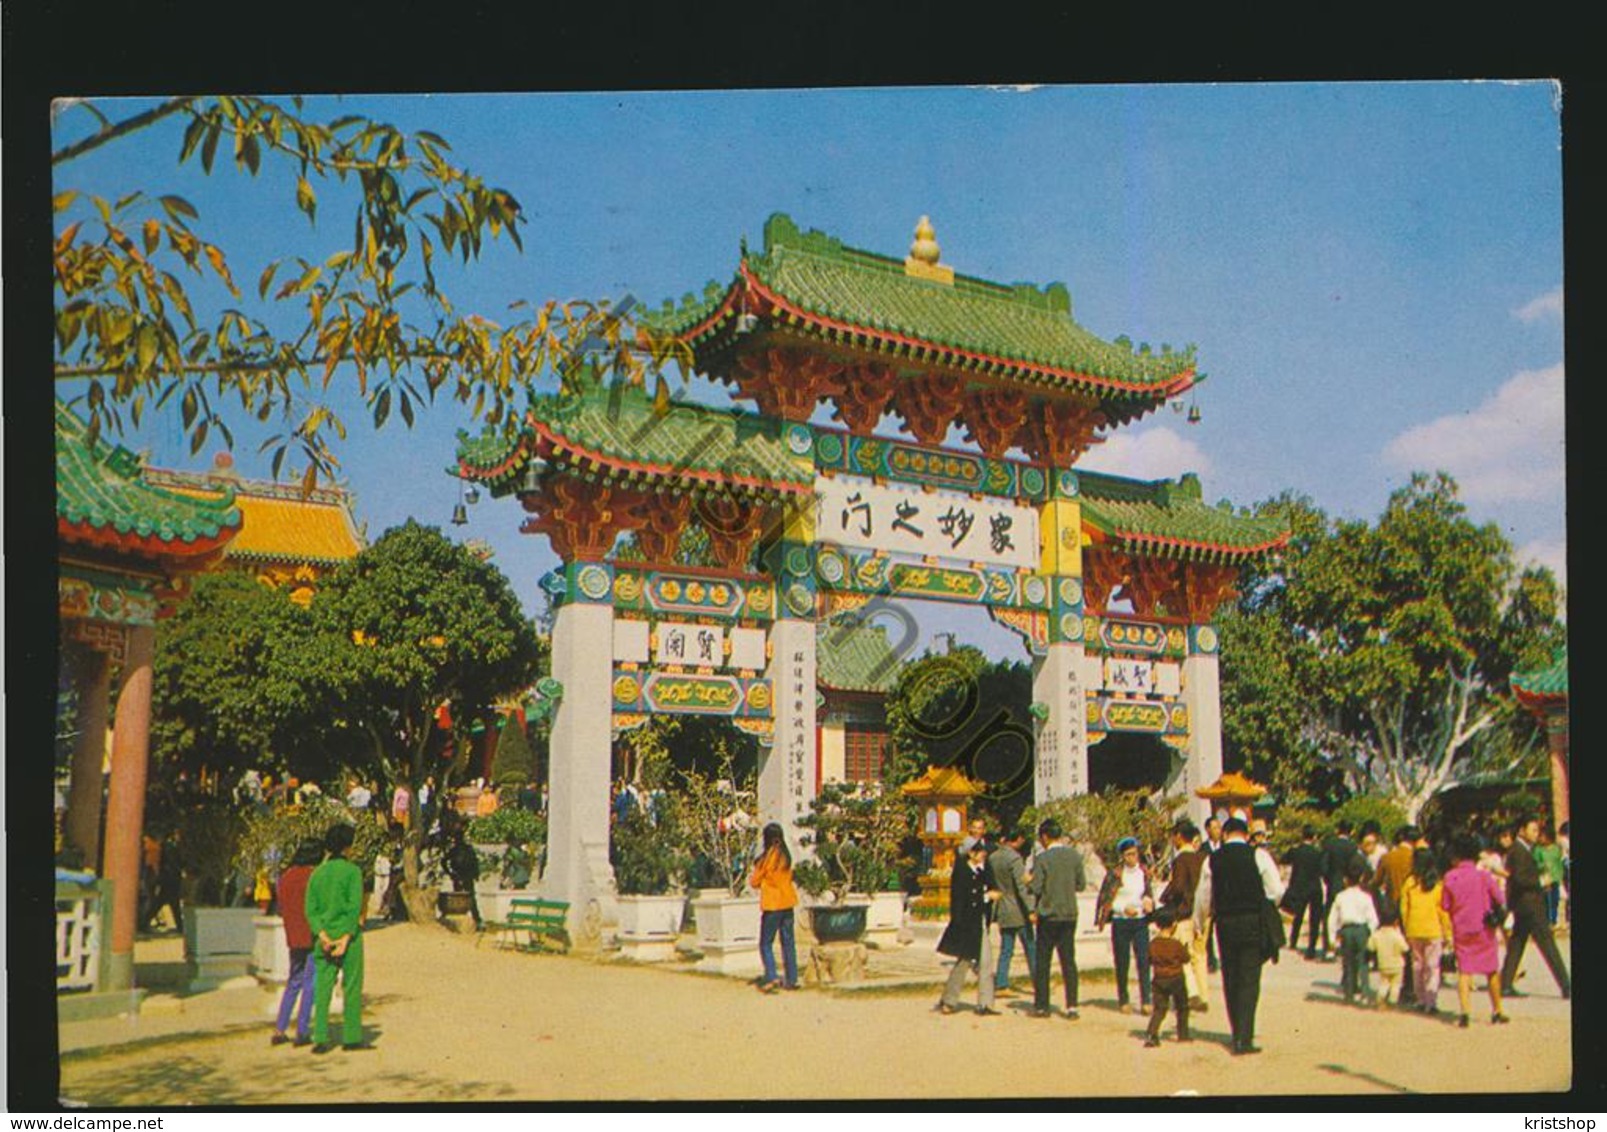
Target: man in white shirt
<point>1235,885</point>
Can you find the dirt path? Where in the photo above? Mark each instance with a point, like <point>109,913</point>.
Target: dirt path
<point>455,1023</point>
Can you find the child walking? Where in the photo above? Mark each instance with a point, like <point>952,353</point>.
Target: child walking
<point>1351,921</point>
<point>1389,944</point>
<point>1167,958</point>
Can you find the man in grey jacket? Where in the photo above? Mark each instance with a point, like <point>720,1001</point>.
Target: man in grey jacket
<point>1007,870</point>
<point>1057,878</point>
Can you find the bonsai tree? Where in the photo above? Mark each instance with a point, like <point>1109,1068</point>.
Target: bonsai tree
<point>1102,819</point>
<point>648,851</point>
<point>856,834</point>
<point>720,832</point>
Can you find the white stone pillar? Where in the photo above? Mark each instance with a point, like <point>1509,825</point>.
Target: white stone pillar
<point>1062,749</point>
<point>581,754</point>
<point>787,766</point>
<point>1202,695</point>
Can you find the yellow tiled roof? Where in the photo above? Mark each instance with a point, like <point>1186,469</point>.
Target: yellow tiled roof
<point>280,526</point>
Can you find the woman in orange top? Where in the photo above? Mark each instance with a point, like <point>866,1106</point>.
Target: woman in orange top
<point>772,876</point>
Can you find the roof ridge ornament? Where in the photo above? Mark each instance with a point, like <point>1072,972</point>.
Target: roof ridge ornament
<point>922,262</point>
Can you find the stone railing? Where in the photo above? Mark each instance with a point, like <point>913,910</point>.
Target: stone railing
<point>82,909</point>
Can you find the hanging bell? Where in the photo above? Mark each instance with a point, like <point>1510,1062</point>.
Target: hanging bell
<point>1194,414</point>
<point>746,323</point>
<point>1177,407</point>
<point>460,514</point>
<point>471,495</point>
<point>532,478</point>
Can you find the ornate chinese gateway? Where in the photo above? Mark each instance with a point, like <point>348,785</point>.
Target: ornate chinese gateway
<point>807,520</point>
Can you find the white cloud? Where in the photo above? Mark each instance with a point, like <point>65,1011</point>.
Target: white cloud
<point>1548,305</point>
<point>1156,453</point>
<point>1509,449</point>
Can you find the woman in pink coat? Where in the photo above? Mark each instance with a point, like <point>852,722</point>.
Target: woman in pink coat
<point>1469,895</point>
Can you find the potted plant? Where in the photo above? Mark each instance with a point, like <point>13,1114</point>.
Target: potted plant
<point>648,851</point>
<point>856,834</point>
<point>219,937</point>
<point>721,834</point>
<point>508,842</point>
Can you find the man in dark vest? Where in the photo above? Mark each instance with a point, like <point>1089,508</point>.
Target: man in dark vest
<point>1235,885</point>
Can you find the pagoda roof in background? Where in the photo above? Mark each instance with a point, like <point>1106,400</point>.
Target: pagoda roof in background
<point>281,522</point>
<point>812,284</point>
<point>107,507</point>
<point>855,657</point>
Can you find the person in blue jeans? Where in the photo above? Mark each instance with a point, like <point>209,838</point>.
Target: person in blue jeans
<point>1007,872</point>
<point>778,901</point>
<point>1126,899</point>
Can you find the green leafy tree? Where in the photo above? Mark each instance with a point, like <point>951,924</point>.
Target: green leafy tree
<point>1399,638</point>
<point>142,321</point>
<point>229,692</point>
<point>1100,820</point>
<point>961,709</point>
<point>412,622</point>
<point>857,834</point>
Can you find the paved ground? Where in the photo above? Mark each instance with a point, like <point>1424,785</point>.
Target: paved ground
<point>452,1022</point>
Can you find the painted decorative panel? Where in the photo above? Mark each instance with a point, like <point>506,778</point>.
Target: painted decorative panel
<point>940,524</point>
<point>925,466</point>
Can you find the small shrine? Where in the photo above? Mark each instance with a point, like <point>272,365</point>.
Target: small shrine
<point>1110,582</point>
<point>1544,693</point>
<point>125,549</point>
<point>944,796</point>
<point>1232,792</point>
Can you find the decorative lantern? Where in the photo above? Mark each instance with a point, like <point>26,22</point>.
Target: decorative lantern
<point>944,795</point>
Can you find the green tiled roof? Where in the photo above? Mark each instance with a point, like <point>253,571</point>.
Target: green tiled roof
<point>1169,519</point>
<point>622,433</point>
<point>1550,682</point>
<point>1016,331</point>
<point>855,658</point>
<point>101,498</point>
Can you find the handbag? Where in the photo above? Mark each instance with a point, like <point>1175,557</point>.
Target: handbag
<point>1496,916</point>
<point>1448,962</point>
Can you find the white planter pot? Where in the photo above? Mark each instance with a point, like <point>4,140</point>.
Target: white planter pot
<point>727,932</point>
<point>496,903</point>
<point>885,919</point>
<point>270,954</point>
<point>220,943</point>
<point>649,926</point>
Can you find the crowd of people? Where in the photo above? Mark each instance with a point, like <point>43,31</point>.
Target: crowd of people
<point>1402,913</point>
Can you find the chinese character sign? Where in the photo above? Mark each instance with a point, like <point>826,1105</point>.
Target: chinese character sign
<point>696,646</point>
<point>944,524</point>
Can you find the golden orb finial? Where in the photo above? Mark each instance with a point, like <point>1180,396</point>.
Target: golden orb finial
<point>925,248</point>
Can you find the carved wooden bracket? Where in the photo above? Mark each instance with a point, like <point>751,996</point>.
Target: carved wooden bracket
<point>993,417</point>
<point>1057,432</point>
<point>1154,584</point>
<point>1102,571</point>
<point>1205,588</point>
<point>785,383</point>
<point>583,519</point>
<point>861,396</point>
<point>733,524</point>
<point>664,519</point>
<point>929,404</point>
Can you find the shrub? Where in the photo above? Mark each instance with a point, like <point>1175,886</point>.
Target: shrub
<point>720,834</point>
<point>648,852</point>
<point>1363,808</point>
<point>1102,819</point>
<point>1285,833</point>
<point>514,763</point>
<point>509,825</point>
<point>857,835</point>
<point>271,838</point>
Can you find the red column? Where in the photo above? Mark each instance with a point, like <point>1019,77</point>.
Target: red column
<point>92,674</point>
<point>1557,740</point>
<point>125,818</point>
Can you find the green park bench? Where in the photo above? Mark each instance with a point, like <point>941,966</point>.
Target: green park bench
<point>532,925</point>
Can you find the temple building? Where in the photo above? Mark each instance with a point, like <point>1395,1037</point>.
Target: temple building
<point>125,550</point>
<point>1110,582</point>
<point>288,537</point>
<point>857,667</point>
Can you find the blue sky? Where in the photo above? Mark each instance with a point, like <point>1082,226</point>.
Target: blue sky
<point>1372,272</point>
